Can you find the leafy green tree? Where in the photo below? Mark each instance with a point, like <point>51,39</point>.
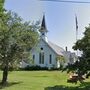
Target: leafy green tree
<point>1,6</point>
<point>82,66</point>
<point>16,37</point>
<point>2,15</point>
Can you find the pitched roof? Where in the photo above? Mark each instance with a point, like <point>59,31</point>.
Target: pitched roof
<point>58,50</point>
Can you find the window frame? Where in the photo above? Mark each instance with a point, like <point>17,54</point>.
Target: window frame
<point>50,59</point>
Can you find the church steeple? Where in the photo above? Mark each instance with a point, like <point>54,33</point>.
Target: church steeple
<point>43,30</point>
<point>43,25</point>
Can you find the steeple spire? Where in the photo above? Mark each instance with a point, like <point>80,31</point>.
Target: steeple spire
<point>43,30</point>
<point>43,25</point>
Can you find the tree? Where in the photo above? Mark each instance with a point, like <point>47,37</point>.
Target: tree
<point>82,66</point>
<point>1,12</point>
<point>16,37</point>
<point>84,46</point>
<point>1,6</point>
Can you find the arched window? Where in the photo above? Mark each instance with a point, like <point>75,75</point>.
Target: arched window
<point>33,59</point>
<point>41,56</point>
<point>50,59</point>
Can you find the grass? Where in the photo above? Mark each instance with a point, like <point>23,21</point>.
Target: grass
<point>42,80</point>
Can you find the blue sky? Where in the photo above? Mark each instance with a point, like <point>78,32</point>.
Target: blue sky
<point>60,18</point>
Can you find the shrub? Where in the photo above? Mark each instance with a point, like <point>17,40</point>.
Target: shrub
<point>30,68</point>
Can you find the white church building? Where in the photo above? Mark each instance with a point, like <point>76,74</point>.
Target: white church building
<point>48,54</point>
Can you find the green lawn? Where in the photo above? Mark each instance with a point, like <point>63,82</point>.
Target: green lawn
<point>42,80</point>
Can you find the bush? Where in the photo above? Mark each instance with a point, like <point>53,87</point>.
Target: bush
<point>30,68</point>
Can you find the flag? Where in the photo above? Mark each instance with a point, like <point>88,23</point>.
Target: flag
<point>76,22</point>
<point>76,27</point>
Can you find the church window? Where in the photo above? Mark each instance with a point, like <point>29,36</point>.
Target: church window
<point>41,58</point>
<point>41,48</point>
<point>33,58</point>
<point>43,34</point>
<point>50,59</point>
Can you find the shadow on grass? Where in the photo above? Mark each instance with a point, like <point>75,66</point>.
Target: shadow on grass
<point>9,84</point>
<point>82,86</point>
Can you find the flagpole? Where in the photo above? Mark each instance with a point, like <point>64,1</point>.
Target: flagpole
<point>76,31</point>
<point>76,27</point>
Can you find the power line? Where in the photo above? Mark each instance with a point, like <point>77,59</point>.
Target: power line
<point>64,1</point>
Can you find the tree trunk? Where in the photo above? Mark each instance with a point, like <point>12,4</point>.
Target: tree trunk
<point>5,75</point>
